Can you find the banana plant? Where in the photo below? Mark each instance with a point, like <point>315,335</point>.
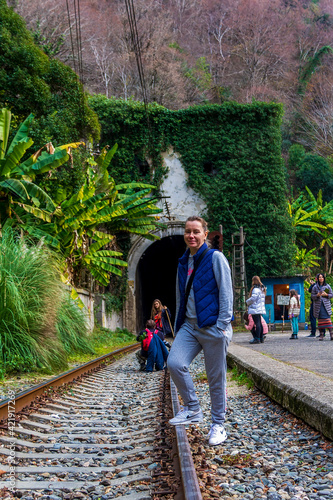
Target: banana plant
<point>84,227</point>
<point>313,221</point>
<point>306,260</point>
<point>17,176</point>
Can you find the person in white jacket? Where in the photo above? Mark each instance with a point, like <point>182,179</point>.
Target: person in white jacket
<point>256,303</point>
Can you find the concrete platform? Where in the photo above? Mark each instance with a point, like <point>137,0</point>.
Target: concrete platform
<point>298,374</point>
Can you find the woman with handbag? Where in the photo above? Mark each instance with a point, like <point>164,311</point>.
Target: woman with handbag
<point>294,310</point>
<point>321,295</point>
<point>204,310</point>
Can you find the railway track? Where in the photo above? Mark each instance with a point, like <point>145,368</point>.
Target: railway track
<point>104,436</point>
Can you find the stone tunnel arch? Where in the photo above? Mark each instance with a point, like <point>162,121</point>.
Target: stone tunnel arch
<point>152,267</point>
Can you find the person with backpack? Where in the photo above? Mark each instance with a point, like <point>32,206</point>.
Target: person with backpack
<point>293,313</point>
<point>204,305</point>
<point>153,351</point>
<point>256,303</point>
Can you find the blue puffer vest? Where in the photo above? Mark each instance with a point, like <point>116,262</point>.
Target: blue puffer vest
<point>206,293</point>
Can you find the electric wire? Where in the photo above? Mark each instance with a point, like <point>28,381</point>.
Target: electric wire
<point>137,51</point>
<point>79,37</point>
<point>136,46</point>
<point>71,35</point>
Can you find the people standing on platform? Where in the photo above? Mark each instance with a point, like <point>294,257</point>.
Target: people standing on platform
<point>293,313</point>
<point>250,324</point>
<point>256,303</point>
<point>204,300</point>
<point>162,317</point>
<point>313,320</point>
<point>321,295</point>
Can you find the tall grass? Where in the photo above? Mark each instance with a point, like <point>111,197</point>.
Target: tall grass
<point>72,327</point>
<point>38,324</point>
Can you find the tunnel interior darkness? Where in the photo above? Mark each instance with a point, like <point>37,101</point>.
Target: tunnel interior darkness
<point>156,277</point>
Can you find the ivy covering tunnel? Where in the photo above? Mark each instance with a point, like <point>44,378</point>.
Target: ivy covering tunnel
<point>232,155</point>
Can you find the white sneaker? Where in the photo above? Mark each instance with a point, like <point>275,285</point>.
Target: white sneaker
<point>217,435</point>
<point>185,416</point>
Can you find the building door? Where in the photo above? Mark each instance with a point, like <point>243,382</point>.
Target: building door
<point>280,310</point>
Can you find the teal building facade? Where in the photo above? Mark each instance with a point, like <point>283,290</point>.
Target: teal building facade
<point>277,297</point>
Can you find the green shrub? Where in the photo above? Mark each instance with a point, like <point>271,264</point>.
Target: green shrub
<point>317,173</point>
<point>296,155</point>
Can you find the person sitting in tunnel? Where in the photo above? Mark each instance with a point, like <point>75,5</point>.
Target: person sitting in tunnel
<point>153,351</point>
<point>162,317</point>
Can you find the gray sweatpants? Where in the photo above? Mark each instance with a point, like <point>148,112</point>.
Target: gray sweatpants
<point>189,341</point>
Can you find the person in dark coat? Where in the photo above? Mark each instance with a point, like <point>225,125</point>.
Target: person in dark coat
<point>313,320</point>
<point>162,317</point>
<point>321,295</point>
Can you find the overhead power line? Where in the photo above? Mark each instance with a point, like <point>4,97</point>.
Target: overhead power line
<point>136,46</point>
<point>76,39</point>
<point>137,51</point>
<point>71,36</point>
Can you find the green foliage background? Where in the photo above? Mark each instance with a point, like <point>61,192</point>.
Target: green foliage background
<point>231,153</point>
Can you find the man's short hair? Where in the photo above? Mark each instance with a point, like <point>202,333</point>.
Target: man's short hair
<point>150,324</point>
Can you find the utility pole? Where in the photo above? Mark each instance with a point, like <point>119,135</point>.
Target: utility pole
<point>238,273</point>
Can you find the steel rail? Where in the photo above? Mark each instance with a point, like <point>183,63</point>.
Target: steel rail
<point>189,476</point>
<point>25,398</point>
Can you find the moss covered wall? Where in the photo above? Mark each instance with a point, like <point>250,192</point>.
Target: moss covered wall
<point>232,155</point>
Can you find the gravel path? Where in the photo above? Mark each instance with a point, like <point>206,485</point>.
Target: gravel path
<point>269,454</point>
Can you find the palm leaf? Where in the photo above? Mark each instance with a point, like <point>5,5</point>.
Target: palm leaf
<point>100,275</point>
<point>96,259</point>
<point>100,235</point>
<point>106,267</point>
<point>12,160</point>
<point>133,185</point>
<point>16,187</point>
<point>22,133</point>
<point>72,145</point>
<point>108,253</point>
<point>312,225</point>
<point>35,191</point>
<point>5,116</point>
<point>134,197</point>
<point>104,159</point>
<point>46,162</point>
<point>40,234</point>
<point>37,212</point>
<point>97,245</point>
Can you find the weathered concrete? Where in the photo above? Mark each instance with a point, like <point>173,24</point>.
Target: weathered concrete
<point>281,369</point>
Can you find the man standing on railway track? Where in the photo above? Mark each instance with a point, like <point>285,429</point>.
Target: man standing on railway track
<point>203,322</point>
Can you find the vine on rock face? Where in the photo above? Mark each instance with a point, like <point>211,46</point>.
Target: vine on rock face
<point>232,155</point>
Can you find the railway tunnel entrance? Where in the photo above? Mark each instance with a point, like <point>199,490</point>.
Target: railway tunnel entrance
<point>156,277</point>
